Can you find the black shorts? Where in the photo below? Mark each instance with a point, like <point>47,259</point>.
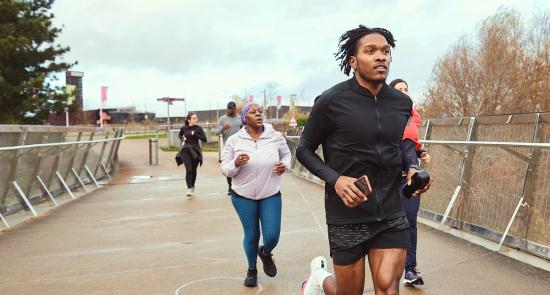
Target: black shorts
<point>350,242</point>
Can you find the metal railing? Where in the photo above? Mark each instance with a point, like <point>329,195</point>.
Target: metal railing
<point>490,177</point>
<point>38,163</point>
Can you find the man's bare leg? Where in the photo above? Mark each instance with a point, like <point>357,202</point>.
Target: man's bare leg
<point>387,266</point>
<point>348,279</point>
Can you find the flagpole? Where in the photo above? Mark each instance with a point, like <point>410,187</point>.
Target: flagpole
<point>101,114</point>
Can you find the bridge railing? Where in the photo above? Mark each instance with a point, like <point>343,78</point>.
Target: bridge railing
<point>38,163</point>
<point>491,177</point>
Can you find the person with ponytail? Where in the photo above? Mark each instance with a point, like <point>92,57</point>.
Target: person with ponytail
<point>411,205</point>
<point>191,153</point>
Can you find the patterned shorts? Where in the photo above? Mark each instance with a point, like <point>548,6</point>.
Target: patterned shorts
<point>350,242</point>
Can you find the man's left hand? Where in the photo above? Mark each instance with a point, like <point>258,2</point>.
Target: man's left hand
<point>410,174</point>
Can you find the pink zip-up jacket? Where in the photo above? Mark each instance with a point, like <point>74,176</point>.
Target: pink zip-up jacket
<point>256,179</point>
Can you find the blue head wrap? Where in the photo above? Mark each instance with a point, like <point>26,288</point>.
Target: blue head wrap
<point>245,109</point>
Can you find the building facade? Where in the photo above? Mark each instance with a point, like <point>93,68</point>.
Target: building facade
<point>74,79</point>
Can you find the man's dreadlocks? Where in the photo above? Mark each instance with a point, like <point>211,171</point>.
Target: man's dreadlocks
<point>347,46</point>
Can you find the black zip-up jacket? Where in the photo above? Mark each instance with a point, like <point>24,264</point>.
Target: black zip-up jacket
<point>192,134</point>
<point>191,148</point>
<point>361,134</point>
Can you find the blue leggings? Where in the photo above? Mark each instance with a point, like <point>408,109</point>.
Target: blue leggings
<point>252,213</point>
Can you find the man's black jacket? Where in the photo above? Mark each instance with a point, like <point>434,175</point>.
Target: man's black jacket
<point>361,134</point>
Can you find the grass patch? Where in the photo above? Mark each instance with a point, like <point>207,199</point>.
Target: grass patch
<point>146,136</point>
<point>209,147</point>
<point>169,148</point>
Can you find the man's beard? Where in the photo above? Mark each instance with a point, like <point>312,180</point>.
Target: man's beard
<point>369,80</point>
<point>373,81</point>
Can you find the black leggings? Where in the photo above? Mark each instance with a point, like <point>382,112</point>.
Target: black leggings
<point>411,207</point>
<point>191,165</point>
<point>191,175</point>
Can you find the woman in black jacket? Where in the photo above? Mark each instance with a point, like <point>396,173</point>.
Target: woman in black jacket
<point>191,153</point>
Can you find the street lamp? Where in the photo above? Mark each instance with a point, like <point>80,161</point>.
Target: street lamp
<point>169,101</point>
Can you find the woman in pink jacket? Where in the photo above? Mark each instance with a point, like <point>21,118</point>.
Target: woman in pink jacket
<point>255,158</point>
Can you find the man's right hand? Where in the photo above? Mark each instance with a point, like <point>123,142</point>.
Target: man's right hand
<point>226,126</point>
<point>348,192</point>
<point>241,159</point>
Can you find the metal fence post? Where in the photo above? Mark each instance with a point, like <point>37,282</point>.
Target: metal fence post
<point>86,153</point>
<point>520,204</point>
<point>99,161</point>
<point>64,184</point>
<point>466,182</point>
<point>24,197</point>
<point>115,155</point>
<point>75,174</point>
<point>110,153</point>
<point>426,132</point>
<point>531,173</point>
<point>105,171</point>
<point>6,224</point>
<point>465,165</point>
<point>73,157</point>
<point>91,176</point>
<point>46,190</point>
<point>56,162</point>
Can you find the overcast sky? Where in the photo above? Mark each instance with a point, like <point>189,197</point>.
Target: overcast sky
<point>206,50</point>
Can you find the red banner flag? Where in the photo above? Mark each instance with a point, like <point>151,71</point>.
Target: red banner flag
<point>103,94</point>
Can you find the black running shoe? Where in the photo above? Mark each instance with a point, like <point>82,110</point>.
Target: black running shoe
<point>267,260</point>
<point>251,278</point>
<point>412,278</point>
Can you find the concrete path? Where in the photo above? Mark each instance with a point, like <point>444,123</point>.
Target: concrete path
<point>140,235</point>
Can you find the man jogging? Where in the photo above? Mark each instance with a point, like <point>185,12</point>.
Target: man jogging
<point>228,125</point>
<point>360,124</point>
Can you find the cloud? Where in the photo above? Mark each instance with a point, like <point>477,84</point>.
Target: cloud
<point>208,50</point>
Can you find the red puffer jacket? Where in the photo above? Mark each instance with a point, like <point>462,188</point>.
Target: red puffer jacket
<point>411,130</point>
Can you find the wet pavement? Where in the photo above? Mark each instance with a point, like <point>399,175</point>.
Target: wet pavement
<point>140,235</point>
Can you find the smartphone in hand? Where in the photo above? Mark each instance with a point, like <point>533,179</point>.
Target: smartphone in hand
<point>363,184</point>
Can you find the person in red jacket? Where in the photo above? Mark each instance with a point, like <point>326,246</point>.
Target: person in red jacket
<point>411,206</point>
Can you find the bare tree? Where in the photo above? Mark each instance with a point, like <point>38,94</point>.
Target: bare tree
<point>505,69</point>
